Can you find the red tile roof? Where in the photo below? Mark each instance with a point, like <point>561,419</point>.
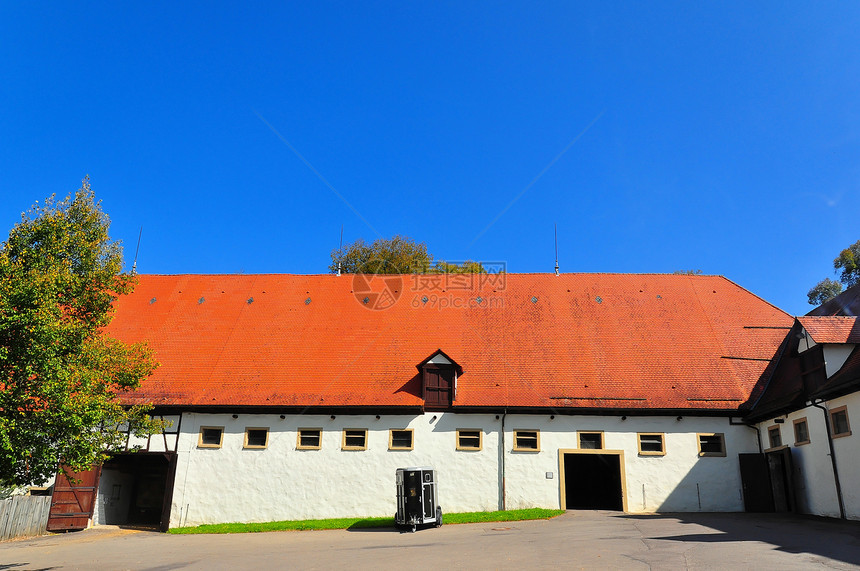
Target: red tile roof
<point>577,340</point>
<point>832,329</point>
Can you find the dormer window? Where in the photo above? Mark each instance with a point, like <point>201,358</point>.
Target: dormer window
<point>439,374</point>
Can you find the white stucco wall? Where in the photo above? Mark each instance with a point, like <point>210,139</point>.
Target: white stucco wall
<point>813,471</point>
<point>653,483</point>
<point>806,342</point>
<point>835,356</point>
<point>847,450</point>
<point>159,442</point>
<point>232,484</point>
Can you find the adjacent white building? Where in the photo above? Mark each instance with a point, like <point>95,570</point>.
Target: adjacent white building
<point>804,418</point>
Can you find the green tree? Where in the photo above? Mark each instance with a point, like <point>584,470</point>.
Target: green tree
<point>398,255</point>
<point>59,373</point>
<point>823,290</point>
<point>849,262</point>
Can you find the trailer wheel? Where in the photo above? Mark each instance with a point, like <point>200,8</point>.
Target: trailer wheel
<point>438,516</point>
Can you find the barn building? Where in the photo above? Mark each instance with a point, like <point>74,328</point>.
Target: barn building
<point>297,397</point>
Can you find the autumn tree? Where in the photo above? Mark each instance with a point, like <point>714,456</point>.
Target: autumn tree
<point>398,255</point>
<point>60,374</point>
<point>849,264</point>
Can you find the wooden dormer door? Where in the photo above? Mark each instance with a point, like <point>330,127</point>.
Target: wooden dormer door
<point>438,387</point>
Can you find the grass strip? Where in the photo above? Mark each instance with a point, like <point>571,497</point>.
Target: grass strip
<point>509,515</point>
<point>363,523</point>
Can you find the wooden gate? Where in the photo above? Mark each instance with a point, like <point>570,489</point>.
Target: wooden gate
<point>73,501</point>
<point>781,470</point>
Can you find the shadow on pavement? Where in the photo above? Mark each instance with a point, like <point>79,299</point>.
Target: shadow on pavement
<point>371,525</point>
<point>790,533</point>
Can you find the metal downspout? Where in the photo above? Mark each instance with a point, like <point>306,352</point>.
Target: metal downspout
<point>757,436</point>
<point>502,464</point>
<point>832,459</point>
<point>751,427</point>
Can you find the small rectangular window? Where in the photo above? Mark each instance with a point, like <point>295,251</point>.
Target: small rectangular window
<point>210,437</point>
<point>527,440</point>
<point>712,444</point>
<point>774,436</point>
<point>801,432</point>
<point>591,440</point>
<point>651,444</point>
<point>469,439</point>
<point>256,437</point>
<point>839,421</point>
<point>309,439</point>
<point>354,439</point>
<point>400,439</point>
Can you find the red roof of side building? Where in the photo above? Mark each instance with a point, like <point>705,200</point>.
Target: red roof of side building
<point>832,329</point>
<point>584,341</point>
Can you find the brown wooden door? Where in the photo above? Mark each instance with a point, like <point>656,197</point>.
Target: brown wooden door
<point>168,491</point>
<point>72,502</point>
<point>781,472</point>
<point>438,388</point>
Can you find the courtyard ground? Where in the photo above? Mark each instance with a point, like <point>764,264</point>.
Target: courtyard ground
<point>575,540</point>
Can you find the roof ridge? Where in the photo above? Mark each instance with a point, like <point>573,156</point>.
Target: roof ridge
<point>563,274</point>
<point>787,314</point>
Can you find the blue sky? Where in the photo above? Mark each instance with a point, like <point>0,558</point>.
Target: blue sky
<point>717,136</point>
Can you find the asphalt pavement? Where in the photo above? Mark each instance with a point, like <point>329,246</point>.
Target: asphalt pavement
<point>575,540</point>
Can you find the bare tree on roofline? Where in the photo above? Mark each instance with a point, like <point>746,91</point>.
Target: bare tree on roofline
<point>398,255</point>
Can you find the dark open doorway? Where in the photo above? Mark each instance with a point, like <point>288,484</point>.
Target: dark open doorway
<point>137,489</point>
<point>755,480</point>
<point>768,482</point>
<point>593,482</point>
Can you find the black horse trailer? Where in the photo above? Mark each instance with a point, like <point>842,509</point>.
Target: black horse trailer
<point>417,499</point>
